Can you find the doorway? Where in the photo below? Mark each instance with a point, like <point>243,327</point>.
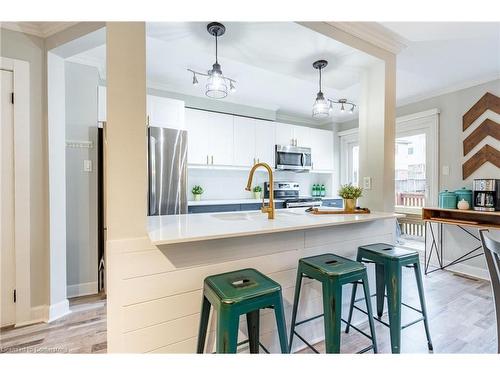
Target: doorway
<point>416,173</point>
<point>8,256</point>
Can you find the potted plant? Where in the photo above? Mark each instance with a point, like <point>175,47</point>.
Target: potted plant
<point>350,194</point>
<point>257,192</point>
<point>197,191</point>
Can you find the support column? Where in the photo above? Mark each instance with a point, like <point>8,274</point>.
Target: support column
<point>126,160</point>
<point>377,119</point>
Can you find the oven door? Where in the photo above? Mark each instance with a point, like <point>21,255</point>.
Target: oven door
<point>293,158</point>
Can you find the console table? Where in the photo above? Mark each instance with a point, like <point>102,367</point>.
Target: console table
<point>466,220</point>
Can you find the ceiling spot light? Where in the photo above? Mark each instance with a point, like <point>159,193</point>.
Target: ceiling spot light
<point>217,83</point>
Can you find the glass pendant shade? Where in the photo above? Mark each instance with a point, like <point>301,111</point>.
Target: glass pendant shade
<point>216,84</point>
<point>321,107</point>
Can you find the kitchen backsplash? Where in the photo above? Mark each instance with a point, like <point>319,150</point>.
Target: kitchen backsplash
<point>230,184</point>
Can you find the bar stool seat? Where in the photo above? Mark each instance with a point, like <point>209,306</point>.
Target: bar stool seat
<point>333,272</point>
<point>235,293</point>
<point>389,261</point>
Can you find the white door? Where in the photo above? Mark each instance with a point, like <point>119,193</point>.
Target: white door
<point>265,141</point>
<point>198,136</point>
<point>244,141</point>
<point>8,263</point>
<point>220,138</point>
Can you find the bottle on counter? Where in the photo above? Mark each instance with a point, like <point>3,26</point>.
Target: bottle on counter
<point>322,191</point>
<point>314,190</point>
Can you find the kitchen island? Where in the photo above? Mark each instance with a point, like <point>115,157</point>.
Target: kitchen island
<point>161,287</point>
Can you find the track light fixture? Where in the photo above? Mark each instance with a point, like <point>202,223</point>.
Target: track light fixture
<point>217,83</point>
<point>322,106</point>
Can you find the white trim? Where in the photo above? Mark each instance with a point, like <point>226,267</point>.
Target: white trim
<point>39,29</point>
<point>58,310</point>
<point>374,33</point>
<point>21,184</point>
<point>353,131</point>
<point>418,115</point>
<point>82,289</point>
<point>447,90</point>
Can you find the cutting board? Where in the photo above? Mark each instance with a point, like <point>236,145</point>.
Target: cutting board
<point>317,211</point>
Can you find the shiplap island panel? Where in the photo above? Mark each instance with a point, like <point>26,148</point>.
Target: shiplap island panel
<point>157,288</point>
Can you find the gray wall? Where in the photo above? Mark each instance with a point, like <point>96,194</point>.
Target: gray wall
<point>453,106</point>
<point>30,48</point>
<point>81,187</point>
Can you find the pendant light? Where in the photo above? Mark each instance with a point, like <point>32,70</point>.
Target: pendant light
<point>322,106</point>
<point>217,83</point>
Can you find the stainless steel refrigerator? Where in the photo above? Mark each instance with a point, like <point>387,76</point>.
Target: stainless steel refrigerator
<point>167,166</point>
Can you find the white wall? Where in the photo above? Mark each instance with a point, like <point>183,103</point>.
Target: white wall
<point>81,186</point>
<point>57,185</point>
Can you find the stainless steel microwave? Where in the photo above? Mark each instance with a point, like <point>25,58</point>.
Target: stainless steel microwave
<point>293,158</point>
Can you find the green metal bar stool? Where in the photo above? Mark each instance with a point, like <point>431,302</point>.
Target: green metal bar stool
<point>389,261</point>
<point>333,272</point>
<point>233,294</point>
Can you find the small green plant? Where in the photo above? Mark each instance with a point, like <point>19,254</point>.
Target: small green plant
<point>257,189</point>
<point>197,190</point>
<point>349,191</point>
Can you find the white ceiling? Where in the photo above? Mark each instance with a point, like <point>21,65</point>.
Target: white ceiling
<point>445,56</point>
<point>271,62</point>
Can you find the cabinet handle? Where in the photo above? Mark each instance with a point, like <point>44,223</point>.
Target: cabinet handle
<point>258,160</point>
<point>212,159</point>
<point>147,120</point>
<point>207,160</point>
<point>254,160</point>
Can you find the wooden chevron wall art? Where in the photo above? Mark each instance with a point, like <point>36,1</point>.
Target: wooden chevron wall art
<point>488,127</point>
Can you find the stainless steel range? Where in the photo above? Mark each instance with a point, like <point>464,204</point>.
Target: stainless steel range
<point>289,191</point>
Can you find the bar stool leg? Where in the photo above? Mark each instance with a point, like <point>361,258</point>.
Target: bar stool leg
<point>332,306</point>
<point>366,290</point>
<point>202,331</point>
<point>351,306</point>
<point>281,323</point>
<point>253,324</point>
<point>420,286</point>
<point>380,281</point>
<point>298,285</point>
<point>227,331</point>
<point>393,282</point>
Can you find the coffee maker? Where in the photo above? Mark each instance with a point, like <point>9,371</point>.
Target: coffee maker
<point>486,194</point>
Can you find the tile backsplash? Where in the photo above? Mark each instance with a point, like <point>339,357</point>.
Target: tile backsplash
<point>230,184</point>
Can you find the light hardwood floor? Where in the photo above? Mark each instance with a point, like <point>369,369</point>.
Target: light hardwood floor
<point>462,320</point>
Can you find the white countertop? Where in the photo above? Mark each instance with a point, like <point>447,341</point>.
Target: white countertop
<point>171,229</point>
<point>210,202</point>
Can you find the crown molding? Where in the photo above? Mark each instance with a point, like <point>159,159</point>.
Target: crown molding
<point>39,29</point>
<point>374,33</point>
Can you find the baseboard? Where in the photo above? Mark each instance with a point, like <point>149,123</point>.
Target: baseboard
<point>83,289</point>
<point>58,310</point>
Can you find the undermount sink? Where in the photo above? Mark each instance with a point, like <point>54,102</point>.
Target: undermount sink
<point>244,216</point>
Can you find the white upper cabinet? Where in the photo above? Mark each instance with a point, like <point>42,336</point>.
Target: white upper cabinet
<point>322,149</point>
<point>220,138</point>
<point>265,141</point>
<point>302,136</point>
<point>101,103</point>
<point>210,137</point>
<point>284,134</point>
<point>197,127</point>
<point>244,141</point>
<point>165,112</point>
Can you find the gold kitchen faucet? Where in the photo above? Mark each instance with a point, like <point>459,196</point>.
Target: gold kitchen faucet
<point>269,209</point>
